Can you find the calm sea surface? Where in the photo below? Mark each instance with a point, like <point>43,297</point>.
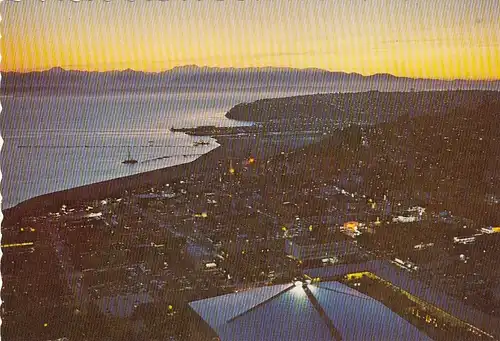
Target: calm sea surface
<point>52,143</point>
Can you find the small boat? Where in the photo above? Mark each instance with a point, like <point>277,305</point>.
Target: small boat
<point>129,160</point>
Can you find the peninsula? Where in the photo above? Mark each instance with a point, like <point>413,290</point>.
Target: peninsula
<point>414,194</point>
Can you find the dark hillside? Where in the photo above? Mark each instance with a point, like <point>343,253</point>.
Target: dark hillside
<point>452,161</point>
<point>368,107</point>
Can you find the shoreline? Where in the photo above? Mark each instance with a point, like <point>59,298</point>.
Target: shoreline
<point>231,146</point>
<point>115,187</point>
<point>222,135</point>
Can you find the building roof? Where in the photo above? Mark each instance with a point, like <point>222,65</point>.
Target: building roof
<point>403,280</point>
<point>123,305</point>
<point>322,311</point>
<point>333,240</point>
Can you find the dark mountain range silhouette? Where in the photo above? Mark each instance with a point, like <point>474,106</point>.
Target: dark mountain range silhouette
<point>60,79</point>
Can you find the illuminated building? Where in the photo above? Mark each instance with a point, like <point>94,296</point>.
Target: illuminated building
<point>423,246</point>
<point>401,281</point>
<point>490,229</point>
<point>351,225</point>
<point>405,219</point>
<point>302,311</point>
<point>351,228</point>
<point>18,244</point>
<point>464,240</point>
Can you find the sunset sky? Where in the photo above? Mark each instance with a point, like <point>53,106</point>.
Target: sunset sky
<point>415,38</point>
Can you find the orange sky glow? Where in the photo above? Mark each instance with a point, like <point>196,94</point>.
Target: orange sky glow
<point>421,39</point>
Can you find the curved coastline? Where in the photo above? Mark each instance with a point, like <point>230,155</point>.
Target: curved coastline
<point>114,187</point>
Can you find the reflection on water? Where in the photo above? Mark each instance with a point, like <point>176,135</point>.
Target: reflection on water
<point>52,143</point>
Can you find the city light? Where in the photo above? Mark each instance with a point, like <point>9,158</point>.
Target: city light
<point>18,244</point>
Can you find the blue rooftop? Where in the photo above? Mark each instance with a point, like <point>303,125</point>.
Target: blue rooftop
<point>326,311</point>
<point>403,280</point>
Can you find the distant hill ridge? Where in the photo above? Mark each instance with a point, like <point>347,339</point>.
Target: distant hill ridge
<point>208,69</point>
<point>368,107</point>
<point>192,77</point>
<point>194,70</point>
